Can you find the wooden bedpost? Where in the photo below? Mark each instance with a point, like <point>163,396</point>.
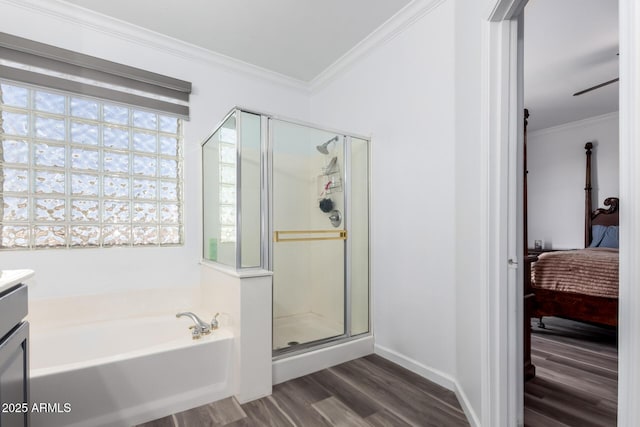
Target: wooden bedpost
<point>588,205</point>
<point>529,368</point>
<point>525,220</point>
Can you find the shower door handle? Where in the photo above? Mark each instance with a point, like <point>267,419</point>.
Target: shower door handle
<point>308,235</point>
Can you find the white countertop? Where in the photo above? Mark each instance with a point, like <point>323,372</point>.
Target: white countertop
<point>8,278</point>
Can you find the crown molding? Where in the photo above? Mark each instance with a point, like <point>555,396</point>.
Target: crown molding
<point>79,16</point>
<point>391,28</point>
<point>574,125</point>
<point>504,10</point>
<point>73,14</point>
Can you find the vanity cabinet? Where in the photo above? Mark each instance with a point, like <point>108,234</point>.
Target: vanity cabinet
<point>14,357</point>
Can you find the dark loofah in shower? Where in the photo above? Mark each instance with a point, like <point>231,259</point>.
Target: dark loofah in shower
<point>326,205</point>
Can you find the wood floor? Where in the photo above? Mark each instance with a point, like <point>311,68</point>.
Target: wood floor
<point>576,375</point>
<point>366,392</point>
<point>575,385</point>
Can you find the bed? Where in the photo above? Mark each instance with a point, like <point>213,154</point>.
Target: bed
<point>581,284</point>
<point>577,284</point>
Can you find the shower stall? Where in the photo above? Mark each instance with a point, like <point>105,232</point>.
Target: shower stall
<point>292,199</point>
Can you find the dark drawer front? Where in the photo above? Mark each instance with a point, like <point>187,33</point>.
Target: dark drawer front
<point>13,308</point>
<point>14,378</point>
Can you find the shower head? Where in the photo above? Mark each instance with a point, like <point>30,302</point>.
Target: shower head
<point>323,147</point>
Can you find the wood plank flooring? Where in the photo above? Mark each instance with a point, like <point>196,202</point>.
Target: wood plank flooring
<point>576,375</point>
<point>366,392</point>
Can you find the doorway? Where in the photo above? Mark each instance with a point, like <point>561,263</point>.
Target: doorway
<point>570,48</point>
<point>502,373</point>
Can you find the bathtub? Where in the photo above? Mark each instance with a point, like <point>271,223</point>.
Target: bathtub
<point>124,372</point>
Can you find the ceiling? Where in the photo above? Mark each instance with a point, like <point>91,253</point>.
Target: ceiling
<point>296,38</point>
<point>570,45</point>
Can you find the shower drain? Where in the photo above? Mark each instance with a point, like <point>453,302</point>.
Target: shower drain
<point>293,343</point>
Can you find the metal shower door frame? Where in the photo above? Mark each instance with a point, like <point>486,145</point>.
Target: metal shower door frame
<point>268,243</point>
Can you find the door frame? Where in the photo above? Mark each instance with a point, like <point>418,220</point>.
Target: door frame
<point>502,127</point>
<point>629,293</point>
<point>500,375</point>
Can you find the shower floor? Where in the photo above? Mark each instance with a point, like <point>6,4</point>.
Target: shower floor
<point>303,328</point>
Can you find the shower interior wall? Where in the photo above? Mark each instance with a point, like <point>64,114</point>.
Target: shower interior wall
<point>301,286</point>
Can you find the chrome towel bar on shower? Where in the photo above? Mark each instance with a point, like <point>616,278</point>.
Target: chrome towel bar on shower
<point>308,235</point>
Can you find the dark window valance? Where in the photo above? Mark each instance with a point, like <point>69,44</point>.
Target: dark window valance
<point>62,69</point>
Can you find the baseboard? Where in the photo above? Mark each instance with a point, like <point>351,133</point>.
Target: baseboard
<point>433,375</point>
<point>472,417</point>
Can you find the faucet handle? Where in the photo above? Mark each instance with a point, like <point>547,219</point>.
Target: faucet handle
<point>195,334</point>
<point>214,323</point>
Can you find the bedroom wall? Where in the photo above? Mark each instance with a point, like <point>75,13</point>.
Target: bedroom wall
<point>217,87</point>
<point>556,179</point>
<point>401,93</point>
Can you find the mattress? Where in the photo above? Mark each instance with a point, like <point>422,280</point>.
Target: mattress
<point>591,271</point>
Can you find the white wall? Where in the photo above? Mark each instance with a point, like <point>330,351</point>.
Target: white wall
<point>469,17</point>
<point>419,96</point>
<point>400,93</point>
<point>556,163</point>
<point>216,89</point>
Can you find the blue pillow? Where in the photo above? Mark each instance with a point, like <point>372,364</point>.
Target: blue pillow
<point>597,232</point>
<point>610,238</point>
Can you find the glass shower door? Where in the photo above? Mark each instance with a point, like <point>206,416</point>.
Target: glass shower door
<point>309,237</point>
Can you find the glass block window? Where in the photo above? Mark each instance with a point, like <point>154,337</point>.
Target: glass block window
<point>82,172</point>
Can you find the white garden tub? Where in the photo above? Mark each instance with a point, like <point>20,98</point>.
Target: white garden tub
<point>125,372</point>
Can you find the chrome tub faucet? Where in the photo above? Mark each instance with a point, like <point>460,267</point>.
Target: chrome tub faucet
<point>200,327</point>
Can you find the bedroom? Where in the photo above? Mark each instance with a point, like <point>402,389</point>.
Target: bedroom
<point>580,56</point>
